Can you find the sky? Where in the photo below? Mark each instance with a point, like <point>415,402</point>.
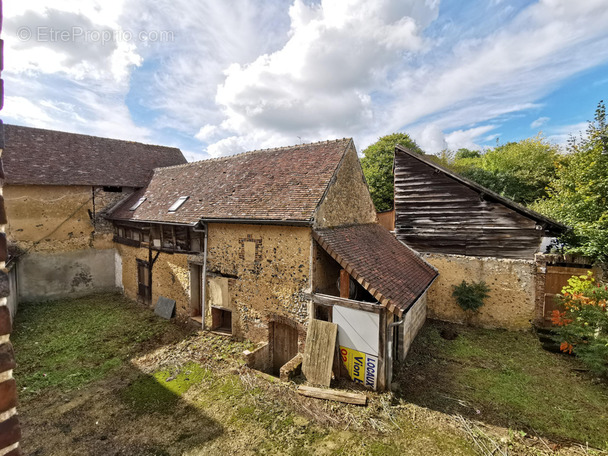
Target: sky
<point>219,77</point>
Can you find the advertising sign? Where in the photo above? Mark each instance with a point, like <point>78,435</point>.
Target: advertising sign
<point>362,367</point>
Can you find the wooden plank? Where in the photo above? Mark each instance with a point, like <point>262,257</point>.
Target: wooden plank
<point>328,300</point>
<point>333,395</point>
<point>319,352</point>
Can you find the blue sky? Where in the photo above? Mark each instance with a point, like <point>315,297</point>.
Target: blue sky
<point>221,77</point>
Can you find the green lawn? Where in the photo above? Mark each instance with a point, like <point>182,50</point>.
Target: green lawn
<point>506,378</point>
<point>103,375</point>
<point>70,343</point>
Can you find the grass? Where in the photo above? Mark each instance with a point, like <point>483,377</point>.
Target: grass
<point>67,344</point>
<point>506,378</point>
<point>133,381</point>
<point>160,392</point>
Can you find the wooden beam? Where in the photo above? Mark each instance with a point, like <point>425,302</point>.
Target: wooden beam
<point>328,300</point>
<point>344,284</point>
<point>333,395</point>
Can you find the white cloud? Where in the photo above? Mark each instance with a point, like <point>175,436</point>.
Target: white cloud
<point>432,139</point>
<point>561,134</point>
<point>242,74</point>
<point>323,79</point>
<point>539,122</point>
<point>466,139</point>
<point>546,43</point>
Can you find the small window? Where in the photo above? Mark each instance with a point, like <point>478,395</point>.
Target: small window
<point>181,200</point>
<point>112,189</point>
<point>136,205</point>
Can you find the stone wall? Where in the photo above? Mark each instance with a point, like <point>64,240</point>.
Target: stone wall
<point>347,201</point>
<point>170,276</point>
<point>53,218</point>
<point>45,275</point>
<point>511,304</point>
<point>265,269</point>
<point>414,320</point>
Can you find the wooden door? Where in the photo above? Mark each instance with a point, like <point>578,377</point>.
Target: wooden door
<point>143,281</point>
<point>284,345</point>
<point>556,278</point>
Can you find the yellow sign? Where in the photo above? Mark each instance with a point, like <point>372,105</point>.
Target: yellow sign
<point>362,368</point>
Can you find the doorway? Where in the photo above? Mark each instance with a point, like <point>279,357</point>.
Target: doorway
<point>144,292</point>
<point>284,345</point>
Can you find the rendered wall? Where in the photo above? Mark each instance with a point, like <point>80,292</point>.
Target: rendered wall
<point>170,276</point>
<point>49,218</point>
<point>266,267</point>
<point>348,201</point>
<point>44,275</point>
<point>511,304</point>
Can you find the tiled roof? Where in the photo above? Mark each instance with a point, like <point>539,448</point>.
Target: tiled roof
<point>48,157</point>
<point>279,185</point>
<point>392,272</point>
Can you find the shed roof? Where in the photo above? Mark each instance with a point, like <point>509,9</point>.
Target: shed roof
<point>283,185</point>
<point>548,224</point>
<point>392,272</point>
<point>33,156</point>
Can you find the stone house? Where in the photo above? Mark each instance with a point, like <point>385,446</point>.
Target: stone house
<point>255,245</point>
<point>57,189</point>
<point>470,233</point>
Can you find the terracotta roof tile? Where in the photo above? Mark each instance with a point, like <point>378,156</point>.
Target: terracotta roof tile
<point>47,157</point>
<point>284,184</point>
<point>378,261</point>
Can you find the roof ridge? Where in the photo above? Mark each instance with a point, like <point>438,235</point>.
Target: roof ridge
<point>255,151</point>
<point>91,136</point>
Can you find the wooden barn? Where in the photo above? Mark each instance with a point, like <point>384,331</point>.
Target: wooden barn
<point>469,233</point>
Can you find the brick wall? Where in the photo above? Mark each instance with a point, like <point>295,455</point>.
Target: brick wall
<point>10,432</point>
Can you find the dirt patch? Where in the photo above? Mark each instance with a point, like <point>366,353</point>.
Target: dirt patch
<point>189,393</point>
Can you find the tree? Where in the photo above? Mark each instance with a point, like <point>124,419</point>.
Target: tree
<point>377,163</point>
<point>578,196</point>
<point>519,170</point>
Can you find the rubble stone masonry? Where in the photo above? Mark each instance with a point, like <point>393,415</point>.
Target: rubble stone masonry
<point>266,268</point>
<point>511,301</point>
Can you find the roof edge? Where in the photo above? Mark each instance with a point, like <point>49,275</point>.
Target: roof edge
<point>558,227</point>
<point>95,136</point>
<point>255,151</point>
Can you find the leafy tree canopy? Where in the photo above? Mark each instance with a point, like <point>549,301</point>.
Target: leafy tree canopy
<point>520,170</point>
<point>578,196</point>
<point>377,163</point>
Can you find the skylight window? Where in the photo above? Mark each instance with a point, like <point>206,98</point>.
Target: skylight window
<point>181,200</point>
<point>136,205</point>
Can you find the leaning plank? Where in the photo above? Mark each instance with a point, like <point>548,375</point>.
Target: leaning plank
<point>319,352</point>
<point>333,395</point>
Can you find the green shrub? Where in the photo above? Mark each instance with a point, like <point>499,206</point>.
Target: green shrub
<point>470,297</point>
<point>582,328</point>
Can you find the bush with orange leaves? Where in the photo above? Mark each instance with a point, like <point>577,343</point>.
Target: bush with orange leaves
<point>582,327</point>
